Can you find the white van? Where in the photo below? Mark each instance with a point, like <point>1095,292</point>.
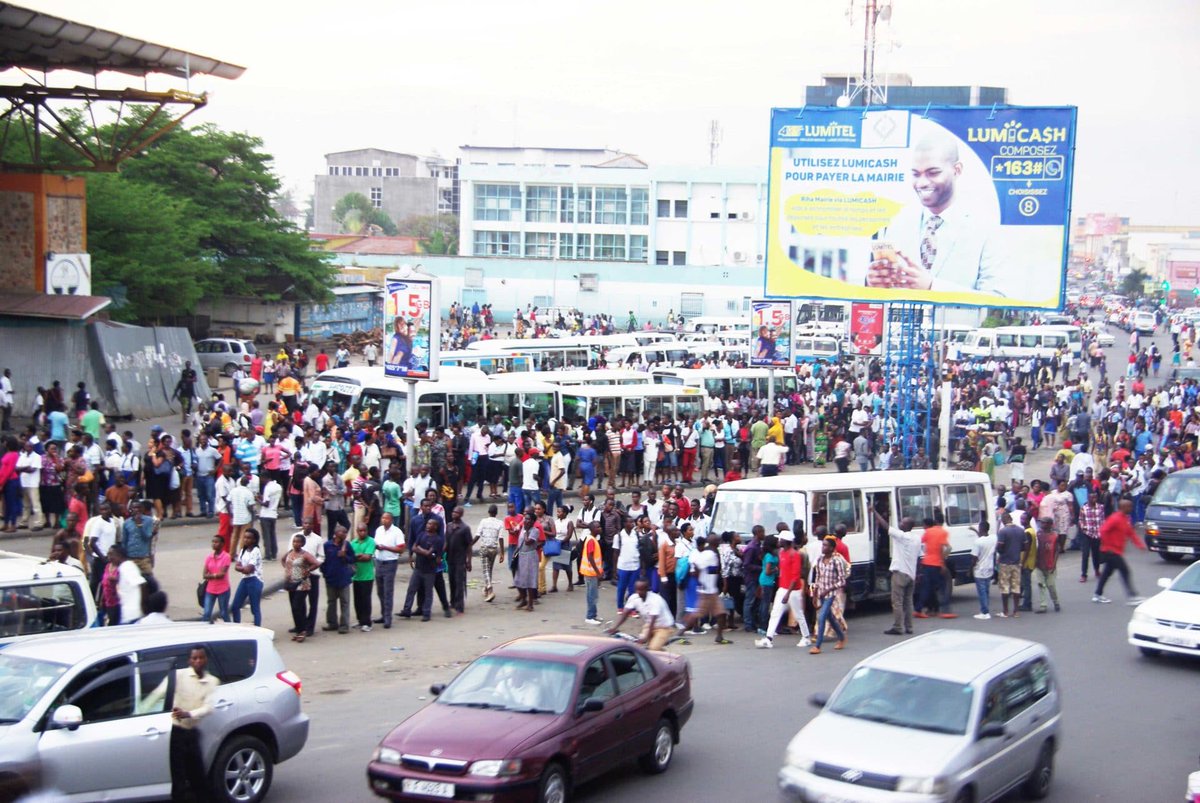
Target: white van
<point>1145,321</point>
<point>831,499</point>
<point>38,597</point>
<point>1019,342</point>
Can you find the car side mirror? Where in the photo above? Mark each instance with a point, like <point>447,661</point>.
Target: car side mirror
<point>818,699</point>
<point>1164,582</point>
<point>591,705</point>
<point>67,717</point>
<point>437,688</point>
<point>991,730</point>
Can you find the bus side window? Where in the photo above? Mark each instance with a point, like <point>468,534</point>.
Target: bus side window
<point>820,513</point>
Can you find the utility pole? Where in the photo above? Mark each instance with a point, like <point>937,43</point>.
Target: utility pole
<point>714,140</point>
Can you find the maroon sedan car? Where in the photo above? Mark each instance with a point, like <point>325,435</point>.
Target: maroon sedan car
<point>531,719</point>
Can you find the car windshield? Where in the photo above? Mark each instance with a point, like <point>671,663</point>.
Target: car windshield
<point>1188,582</point>
<point>1179,490</point>
<point>907,701</point>
<point>739,511</point>
<point>23,681</point>
<point>512,684</point>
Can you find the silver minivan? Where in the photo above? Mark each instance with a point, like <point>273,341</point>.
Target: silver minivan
<point>952,715</point>
<point>87,715</point>
<point>225,354</point>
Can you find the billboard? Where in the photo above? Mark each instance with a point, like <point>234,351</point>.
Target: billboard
<point>770,334</point>
<point>411,327</point>
<point>1100,225</point>
<point>866,328</point>
<point>947,205</point>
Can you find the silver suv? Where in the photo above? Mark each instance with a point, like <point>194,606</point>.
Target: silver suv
<point>952,715</point>
<point>225,354</point>
<point>79,712</point>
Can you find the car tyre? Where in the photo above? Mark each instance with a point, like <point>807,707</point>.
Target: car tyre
<point>229,368</point>
<point>659,757</point>
<point>1038,784</point>
<point>243,771</point>
<point>1171,557</point>
<point>555,786</point>
<point>1149,652</point>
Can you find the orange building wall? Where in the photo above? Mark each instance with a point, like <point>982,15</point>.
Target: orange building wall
<point>38,213</point>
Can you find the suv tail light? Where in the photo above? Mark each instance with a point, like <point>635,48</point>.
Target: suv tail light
<point>290,678</point>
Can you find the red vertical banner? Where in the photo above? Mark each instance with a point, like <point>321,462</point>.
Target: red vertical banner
<point>866,328</point>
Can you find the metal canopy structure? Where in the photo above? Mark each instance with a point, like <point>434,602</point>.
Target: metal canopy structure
<point>30,113</point>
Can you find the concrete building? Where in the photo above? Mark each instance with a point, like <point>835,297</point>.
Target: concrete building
<point>902,92</point>
<point>602,205</point>
<point>399,184</point>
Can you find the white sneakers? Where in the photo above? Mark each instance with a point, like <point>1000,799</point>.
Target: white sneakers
<point>1098,598</point>
<point>983,616</point>
<point>1135,601</point>
<point>366,628</point>
<point>764,643</point>
<point>805,642</point>
<point>591,621</point>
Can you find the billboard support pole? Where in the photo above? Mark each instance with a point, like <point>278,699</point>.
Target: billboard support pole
<point>944,426</point>
<point>410,429</point>
<point>770,391</point>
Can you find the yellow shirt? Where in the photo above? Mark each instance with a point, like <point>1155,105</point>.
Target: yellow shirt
<point>288,386</point>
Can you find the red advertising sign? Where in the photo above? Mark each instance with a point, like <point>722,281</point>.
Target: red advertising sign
<point>866,328</point>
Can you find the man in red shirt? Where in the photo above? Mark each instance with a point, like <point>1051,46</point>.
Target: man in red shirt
<point>934,588</point>
<point>789,594</point>
<point>512,525</point>
<point>1114,532</point>
<point>322,362</point>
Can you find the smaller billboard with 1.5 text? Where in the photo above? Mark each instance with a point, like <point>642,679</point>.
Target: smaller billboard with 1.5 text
<point>770,334</point>
<point>411,319</point>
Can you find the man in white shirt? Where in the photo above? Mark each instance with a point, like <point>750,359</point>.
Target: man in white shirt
<point>530,471</point>
<point>131,585</point>
<point>29,469</point>
<point>906,551</point>
<point>560,466</point>
<point>629,564</point>
<point>389,544</point>
<point>659,624</point>
<point>268,515</point>
<point>241,510</point>
<point>314,545</point>
<point>416,485</point>
<point>983,553</point>
<point>6,399</point>
<point>313,451</point>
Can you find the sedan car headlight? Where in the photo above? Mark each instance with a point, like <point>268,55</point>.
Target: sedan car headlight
<point>1142,618</point>
<point>798,759</point>
<point>386,755</point>
<point>496,768</point>
<point>921,786</point>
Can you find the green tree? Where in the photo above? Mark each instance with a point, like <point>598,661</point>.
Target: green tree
<point>1134,283</point>
<point>354,214</point>
<point>145,241</point>
<point>427,227</point>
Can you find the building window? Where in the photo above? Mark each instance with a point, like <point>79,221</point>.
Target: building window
<point>664,208</point>
<point>639,206</point>
<point>391,172</point>
<point>566,247</point>
<point>347,171</point>
<point>361,171</point>
<point>567,205</point>
<point>498,202</point>
<point>662,257</point>
<point>583,246</point>
<point>583,205</point>
<point>714,215</point>
<point>473,278</point>
<point>540,204</point>
<point>610,246</point>
<point>612,206</point>
<point>589,282</point>
<point>377,197</point>
<point>497,243</point>
<point>540,244</point>
<point>678,258</point>
<point>637,247</point>
<point>333,171</point>
<point>376,172</point>
<point>681,209</point>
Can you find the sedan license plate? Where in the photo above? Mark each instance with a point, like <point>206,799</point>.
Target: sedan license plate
<point>1182,550</point>
<point>412,786</point>
<point>1175,641</point>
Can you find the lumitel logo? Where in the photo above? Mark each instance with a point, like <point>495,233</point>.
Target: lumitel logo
<point>817,131</point>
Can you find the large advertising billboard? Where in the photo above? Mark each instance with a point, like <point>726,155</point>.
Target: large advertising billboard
<point>411,328</point>
<point>770,334</point>
<point>948,205</point>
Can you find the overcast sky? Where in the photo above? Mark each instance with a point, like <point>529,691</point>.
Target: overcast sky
<point>648,76</point>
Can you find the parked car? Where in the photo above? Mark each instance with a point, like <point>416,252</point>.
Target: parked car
<point>41,597</point>
<point>225,354</point>
<point>89,712</point>
<point>952,715</point>
<point>1170,620</point>
<point>536,717</point>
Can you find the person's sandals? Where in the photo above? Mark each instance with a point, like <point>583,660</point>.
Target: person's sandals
<point>722,641</point>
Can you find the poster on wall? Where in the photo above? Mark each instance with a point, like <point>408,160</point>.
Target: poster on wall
<point>411,327</point>
<point>770,334</point>
<point>948,205</point>
<point>866,328</point>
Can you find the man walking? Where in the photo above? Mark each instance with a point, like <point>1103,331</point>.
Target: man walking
<point>1049,546</point>
<point>829,577</point>
<point>1116,530</point>
<point>789,594</point>
<point>983,566</point>
<point>389,544</point>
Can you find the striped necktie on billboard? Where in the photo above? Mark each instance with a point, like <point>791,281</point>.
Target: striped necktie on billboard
<point>929,241</point>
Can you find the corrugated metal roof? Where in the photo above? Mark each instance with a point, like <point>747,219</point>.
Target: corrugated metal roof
<point>40,41</point>
<point>38,305</point>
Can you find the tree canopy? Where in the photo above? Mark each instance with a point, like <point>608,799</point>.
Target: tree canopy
<point>355,214</point>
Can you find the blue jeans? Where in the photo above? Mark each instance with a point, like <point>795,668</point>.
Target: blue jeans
<point>553,497</point>
<point>530,497</point>
<point>250,588</point>
<point>516,498</point>
<point>625,580</point>
<point>297,501</point>
<point>823,619</point>
<point>983,587</point>
<point>592,588</point>
<point>213,600</point>
<point>750,605</point>
<point>206,493</point>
